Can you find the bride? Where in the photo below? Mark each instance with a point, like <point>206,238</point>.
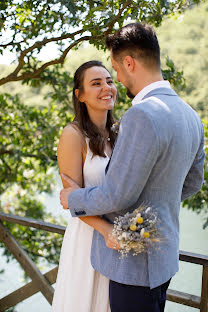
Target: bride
<point>83,153</point>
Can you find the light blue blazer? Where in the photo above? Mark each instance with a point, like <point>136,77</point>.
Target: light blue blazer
<point>158,158</point>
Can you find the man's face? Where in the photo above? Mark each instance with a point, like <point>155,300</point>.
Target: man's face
<point>122,75</point>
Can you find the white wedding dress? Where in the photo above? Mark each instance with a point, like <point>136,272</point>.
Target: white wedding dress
<point>79,287</point>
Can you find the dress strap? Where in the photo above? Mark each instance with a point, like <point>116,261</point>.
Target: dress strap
<point>89,152</point>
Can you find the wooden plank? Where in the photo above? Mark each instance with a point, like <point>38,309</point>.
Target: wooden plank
<point>193,258</point>
<point>183,298</point>
<point>38,224</point>
<point>172,295</point>
<point>184,255</point>
<point>26,291</point>
<point>27,264</point>
<point>204,290</point>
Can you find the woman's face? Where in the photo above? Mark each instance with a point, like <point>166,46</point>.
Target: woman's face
<point>99,92</point>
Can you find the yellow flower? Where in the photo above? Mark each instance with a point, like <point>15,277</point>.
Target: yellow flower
<point>146,234</point>
<point>133,227</point>
<point>140,220</point>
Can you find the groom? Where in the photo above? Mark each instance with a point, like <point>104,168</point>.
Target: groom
<point>158,158</point>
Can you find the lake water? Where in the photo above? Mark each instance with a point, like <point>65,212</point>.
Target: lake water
<point>192,238</point>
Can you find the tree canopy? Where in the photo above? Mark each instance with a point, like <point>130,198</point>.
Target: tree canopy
<point>27,26</point>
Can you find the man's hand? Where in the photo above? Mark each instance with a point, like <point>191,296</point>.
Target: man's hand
<point>64,194</point>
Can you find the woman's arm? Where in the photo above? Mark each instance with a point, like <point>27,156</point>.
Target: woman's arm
<point>70,162</point>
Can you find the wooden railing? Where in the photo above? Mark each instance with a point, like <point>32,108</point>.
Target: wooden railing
<point>43,283</point>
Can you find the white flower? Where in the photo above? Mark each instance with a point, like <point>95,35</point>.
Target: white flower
<point>124,235</point>
<point>133,220</point>
<point>142,232</point>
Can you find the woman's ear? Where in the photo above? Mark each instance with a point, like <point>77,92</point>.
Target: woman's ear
<point>76,91</point>
<point>80,98</point>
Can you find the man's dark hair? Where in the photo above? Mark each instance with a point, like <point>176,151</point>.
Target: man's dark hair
<point>137,40</point>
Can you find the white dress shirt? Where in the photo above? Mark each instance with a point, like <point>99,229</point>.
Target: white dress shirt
<point>150,87</point>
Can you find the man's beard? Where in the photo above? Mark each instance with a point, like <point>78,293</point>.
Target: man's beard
<point>129,94</point>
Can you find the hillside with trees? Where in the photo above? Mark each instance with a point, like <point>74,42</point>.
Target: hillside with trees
<point>185,40</point>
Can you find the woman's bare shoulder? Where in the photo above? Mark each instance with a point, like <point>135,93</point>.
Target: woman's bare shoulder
<point>72,132</point>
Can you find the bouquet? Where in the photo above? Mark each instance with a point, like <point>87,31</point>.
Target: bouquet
<point>137,231</point>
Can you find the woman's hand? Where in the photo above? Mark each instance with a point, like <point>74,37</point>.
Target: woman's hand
<point>110,239</point>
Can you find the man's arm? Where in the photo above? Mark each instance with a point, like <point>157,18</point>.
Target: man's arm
<point>195,176</point>
<point>134,156</point>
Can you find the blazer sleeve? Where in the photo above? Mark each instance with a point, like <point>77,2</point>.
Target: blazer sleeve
<point>195,176</point>
<point>134,155</point>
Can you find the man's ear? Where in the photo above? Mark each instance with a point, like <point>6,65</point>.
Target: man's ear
<point>129,63</point>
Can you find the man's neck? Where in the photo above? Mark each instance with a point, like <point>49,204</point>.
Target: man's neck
<point>148,79</point>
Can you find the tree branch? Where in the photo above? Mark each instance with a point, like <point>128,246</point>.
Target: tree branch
<point>110,27</point>
<point>36,73</point>
<point>11,43</point>
<point>13,76</point>
<point>38,44</point>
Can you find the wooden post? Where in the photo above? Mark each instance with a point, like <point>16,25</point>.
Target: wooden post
<point>204,290</point>
<point>25,291</point>
<point>27,264</point>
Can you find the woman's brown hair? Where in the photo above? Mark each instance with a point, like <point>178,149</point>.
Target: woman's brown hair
<point>88,129</point>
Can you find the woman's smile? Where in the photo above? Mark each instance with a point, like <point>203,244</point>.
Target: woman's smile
<point>99,90</point>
